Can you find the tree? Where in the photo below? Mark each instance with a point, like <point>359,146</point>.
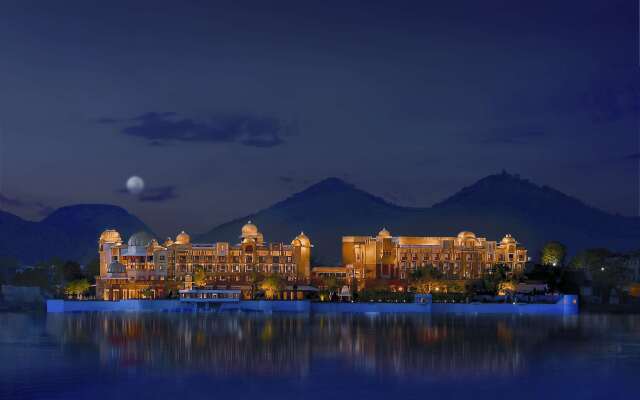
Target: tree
<point>509,286</point>
<point>255,277</point>
<point>591,259</point>
<point>8,266</point>
<point>77,288</point>
<point>425,273</point>
<point>271,286</point>
<point>199,277</point>
<point>331,284</point>
<point>32,277</point>
<point>66,272</point>
<point>147,293</point>
<point>492,280</point>
<point>553,253</point>
<point>92,269</point>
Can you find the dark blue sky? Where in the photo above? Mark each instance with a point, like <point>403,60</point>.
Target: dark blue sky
<point>226,107</point>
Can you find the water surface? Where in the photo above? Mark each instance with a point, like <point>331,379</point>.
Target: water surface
<point>245,356</point>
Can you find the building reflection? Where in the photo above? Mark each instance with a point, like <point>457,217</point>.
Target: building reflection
<point>256,344</point>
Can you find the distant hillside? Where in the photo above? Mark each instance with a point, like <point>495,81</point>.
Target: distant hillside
<point>332,208</point>
<point>68,233</point>
<point>491,207</point>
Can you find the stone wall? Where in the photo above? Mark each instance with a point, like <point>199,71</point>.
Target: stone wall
<point>568,304</point>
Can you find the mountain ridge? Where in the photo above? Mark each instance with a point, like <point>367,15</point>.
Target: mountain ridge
<point>492,206</point>
<point>331,208</point>
<point>70,232</point>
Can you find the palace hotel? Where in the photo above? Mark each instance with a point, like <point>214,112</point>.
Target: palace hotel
<point>142,267</point>
<point>465,256</point>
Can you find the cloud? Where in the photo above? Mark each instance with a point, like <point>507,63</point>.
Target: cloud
<point>161,128</point>
<point>154,194</point>
<point>158,194</point>
<point>513,136</point>
<point>14,202</point>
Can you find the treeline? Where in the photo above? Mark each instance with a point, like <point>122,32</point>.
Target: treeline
<point>56,277</point>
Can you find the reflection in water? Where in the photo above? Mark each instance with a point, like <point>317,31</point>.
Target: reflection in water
<point>256,344</point>
<point>168,355</point>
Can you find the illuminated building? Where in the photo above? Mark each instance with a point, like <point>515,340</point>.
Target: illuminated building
<point>144,268</point>
<point>461,257</point>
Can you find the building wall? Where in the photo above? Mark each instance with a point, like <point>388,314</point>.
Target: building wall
<point>152,268</point>
<point>461,257</point>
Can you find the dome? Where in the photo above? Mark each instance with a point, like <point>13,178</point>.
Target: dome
<point>249,229</point>
<point>183,238</point>
<point>140,239</point>
<point>110,236</point>
<point>296,242</point>
<point>508,239</point>
<point>116,268</point>
<point>302,239</point>
<point>384,233</point>
<point>466,235</point>
<point>168,242</point>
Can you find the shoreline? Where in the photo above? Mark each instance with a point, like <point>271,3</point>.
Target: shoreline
<point>567,305</point>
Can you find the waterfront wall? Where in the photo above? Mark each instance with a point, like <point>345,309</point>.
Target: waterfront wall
<point>568,304</point>
<point>54,306</point>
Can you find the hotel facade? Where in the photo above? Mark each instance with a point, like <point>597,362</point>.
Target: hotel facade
<point>464,256</point>
<point>144,268</point>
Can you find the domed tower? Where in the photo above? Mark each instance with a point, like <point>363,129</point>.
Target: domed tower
<point>384,233</point>
<point>108,244</point>
<point>139,243</point>
<point>302,255</point>
<point>508,245</point>
<point>466,238</point>
<point>110,236</point>
<point>508,239</point>
<point>183,238</point>
<point>250,231</point>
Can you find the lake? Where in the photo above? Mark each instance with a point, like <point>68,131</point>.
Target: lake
<point>280,356</point>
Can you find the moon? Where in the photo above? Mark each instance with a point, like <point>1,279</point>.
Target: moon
<point>135,185</point>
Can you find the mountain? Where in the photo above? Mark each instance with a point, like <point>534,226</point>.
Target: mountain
<point>493,206</point>
<point>70,233</point>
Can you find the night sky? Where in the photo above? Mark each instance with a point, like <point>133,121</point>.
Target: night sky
<point>225,107</point>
